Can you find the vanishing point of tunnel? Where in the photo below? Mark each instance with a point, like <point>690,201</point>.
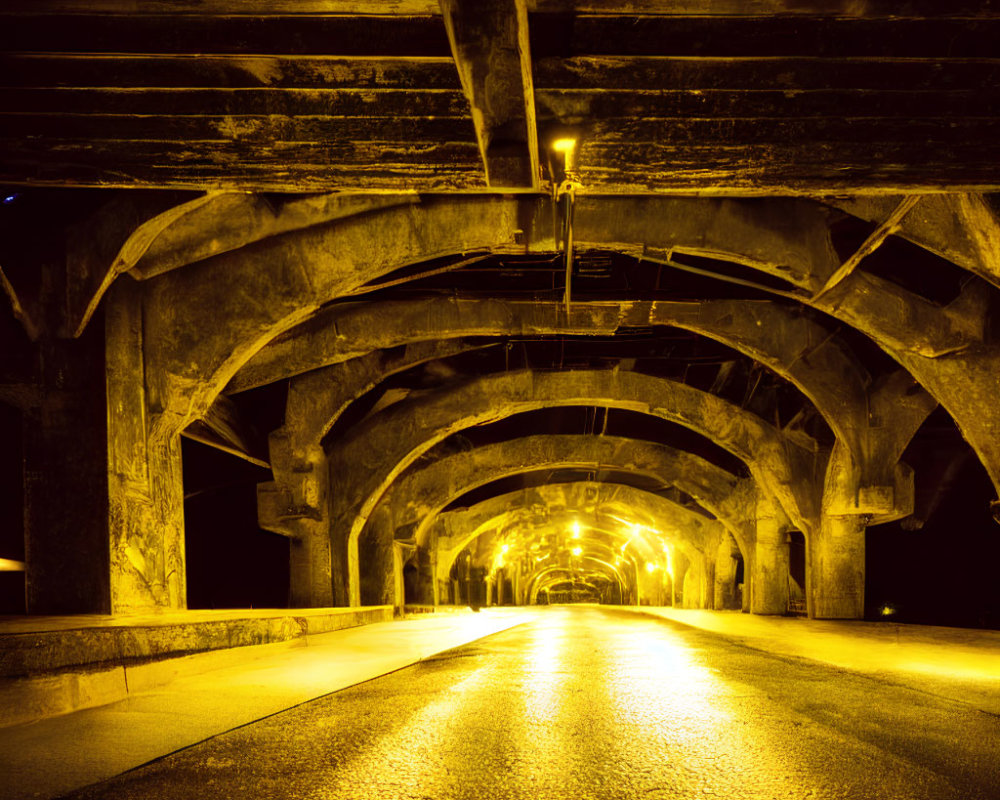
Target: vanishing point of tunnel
<point>499,398</point>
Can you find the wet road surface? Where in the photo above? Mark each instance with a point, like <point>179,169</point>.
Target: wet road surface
<point>592,703</point>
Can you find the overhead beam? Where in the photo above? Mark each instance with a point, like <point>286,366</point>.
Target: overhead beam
<point>224,428</point>
<point>489,41</point>
<point>871,244</point>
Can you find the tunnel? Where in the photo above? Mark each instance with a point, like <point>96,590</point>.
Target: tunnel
<point>607,371</point>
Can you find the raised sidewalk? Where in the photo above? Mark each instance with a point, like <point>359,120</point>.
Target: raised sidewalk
<point>193,697</point>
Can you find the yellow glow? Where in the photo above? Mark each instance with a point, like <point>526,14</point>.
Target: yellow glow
<point>505,548</point>
<point>650,566</point>
<point>565,146</point>
<point>576,530</point>
<point>577,551</point>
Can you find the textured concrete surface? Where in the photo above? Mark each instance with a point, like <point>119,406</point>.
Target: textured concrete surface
<point>595,703</point>
<point>54,756</point>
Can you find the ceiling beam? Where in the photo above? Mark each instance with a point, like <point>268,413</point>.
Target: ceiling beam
<point>489,40</point>
<point>871,244</point>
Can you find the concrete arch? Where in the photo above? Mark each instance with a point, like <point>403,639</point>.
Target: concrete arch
<point>421,493</point>
<point>375,453</point>
<point>561,575</point>
<point>536,582</point>
<point>598,501</point>
<point>773,334</point>
<point>250,295</point>
<point>459,528</point>
<point>253,294</point>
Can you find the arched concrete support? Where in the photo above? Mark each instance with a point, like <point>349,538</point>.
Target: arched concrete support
<point>538,580</point>
<point>794,345</point>
<point>421,493</point>
<point>366,461</point>
<point>250,295</point>
<point>603,503</point>
<point>559,504</point>
<point>945,349</point>
<point>788,238</point>
<point>960,227</point>
<point>772,333</point>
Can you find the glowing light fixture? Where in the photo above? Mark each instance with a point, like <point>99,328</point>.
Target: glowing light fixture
<point>577,550</point>
<point>650,566</point>
<point>505,548</point>
<point>576,530</point>
<point>567,147</point>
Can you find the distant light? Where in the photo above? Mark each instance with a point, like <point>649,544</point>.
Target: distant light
<point>10,198</point>
<point>576,530</point>
<point>887,610</point>
<point>650,566</point>
<point>505,548</point>
<point>577,551</point>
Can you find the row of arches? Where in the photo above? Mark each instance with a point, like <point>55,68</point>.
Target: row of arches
<point>385,355</point>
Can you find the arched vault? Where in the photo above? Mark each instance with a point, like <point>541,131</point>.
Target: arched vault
<point>369,458</point>
<point>603,506</point>
<point>421,493</point>
<point>800,348</point>
<point>251,295</point>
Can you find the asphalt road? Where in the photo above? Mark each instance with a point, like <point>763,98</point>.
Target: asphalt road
<point>592,703</point>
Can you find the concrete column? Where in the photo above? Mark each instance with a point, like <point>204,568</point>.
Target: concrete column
<point>310,553</point>
<point>725,575</point>
<point>66,523</point>
<point>708,581</point>
<point>295,505</point>
<point>695,583</point>
<point>769,586</point>
<point>398,559</point>
<point>489,592</point>
<point>310,581</point>
<point>103,498</point>
<point>838,568</point>
<point>375,560</point>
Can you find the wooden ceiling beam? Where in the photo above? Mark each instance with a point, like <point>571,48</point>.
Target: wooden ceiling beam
<point>489,41</point>
<point>920,9</point>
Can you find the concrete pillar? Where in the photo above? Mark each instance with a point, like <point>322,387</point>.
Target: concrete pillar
<point>66,522</point>
<point>310,582</point>
<point>375,560</point>
<point>398,559</point>
<point>489,591</point>
<point>295,505</point>
<point>838,568</point>
<point>104,499</point>
<point>725,575</point>
<point>707,589</point>
<point>310,555</point>
<point>769,585</point>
